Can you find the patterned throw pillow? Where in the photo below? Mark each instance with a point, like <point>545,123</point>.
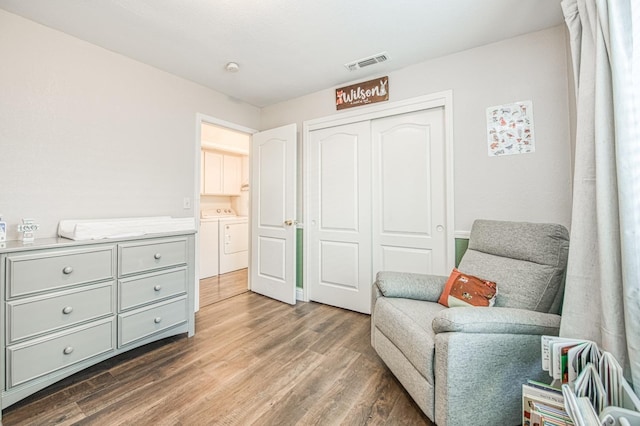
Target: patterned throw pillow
<point>467,290</point>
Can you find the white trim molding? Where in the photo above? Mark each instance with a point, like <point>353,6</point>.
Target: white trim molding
<point>462,234</point>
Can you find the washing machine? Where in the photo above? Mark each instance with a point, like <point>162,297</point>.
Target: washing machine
<point>210,241</point>
<point>233,243</point>
<point>208,248</point>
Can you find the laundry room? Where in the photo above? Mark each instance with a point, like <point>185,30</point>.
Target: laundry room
<point>224,211</point>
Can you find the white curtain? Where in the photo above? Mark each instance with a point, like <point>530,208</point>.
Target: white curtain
<point>602,294</point>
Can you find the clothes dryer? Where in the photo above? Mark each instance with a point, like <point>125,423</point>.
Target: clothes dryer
<point>234,243</point>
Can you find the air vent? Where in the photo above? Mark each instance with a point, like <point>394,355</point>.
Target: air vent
<point>365,62</point>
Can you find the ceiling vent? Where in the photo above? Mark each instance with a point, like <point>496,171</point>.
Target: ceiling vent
<point>365,62</point>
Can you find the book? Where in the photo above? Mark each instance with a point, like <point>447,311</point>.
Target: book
<point>564,358</point>
<point>589,415</point>
<point>546,414</point>
<point>611,377</point>
<point>589,385</point>
<point>591,382</point>
<point>532,394</point>
<point>547,344</point>
<point>579,356</point>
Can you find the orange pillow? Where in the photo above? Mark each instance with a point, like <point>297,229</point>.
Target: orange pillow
<point>467,290</point>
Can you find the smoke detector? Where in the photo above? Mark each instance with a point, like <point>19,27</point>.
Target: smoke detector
<point>365,62</point>
<point>232,67</point>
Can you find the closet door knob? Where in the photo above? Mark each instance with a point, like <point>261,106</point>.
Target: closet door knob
<point>157,287</point>
<point>157,320</point>
<point>67,270</point>
<point>67,310</point>
<point>157,256</point>
<point>67,350</point>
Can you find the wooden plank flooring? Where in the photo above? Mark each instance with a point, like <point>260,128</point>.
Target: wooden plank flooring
<point>220,287</point>
<point>253,361</point>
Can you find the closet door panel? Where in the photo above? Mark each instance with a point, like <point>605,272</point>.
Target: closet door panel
<point>339,183</point>
<point>339,217</point>
<point>405,173</point>
<point>339,262</point>
<point>377,200</point>
<point>409,193</point>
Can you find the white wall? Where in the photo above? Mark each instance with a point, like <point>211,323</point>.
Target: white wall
<point>88,133</point>
<point>531,187</point>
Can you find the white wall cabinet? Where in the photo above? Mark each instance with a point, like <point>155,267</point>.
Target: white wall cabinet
<point>222,173</point>
<point>67,305</point>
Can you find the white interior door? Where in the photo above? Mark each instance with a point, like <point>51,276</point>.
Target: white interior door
<point>339,219</point>
<point>273,207</point>
<point>409,193</point>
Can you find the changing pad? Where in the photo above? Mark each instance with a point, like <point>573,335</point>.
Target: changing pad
<point>96,229</point>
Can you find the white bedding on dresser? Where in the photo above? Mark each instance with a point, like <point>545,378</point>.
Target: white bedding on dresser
<point>96,229</point>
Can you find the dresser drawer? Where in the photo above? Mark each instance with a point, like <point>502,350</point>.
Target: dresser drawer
<point>150,255</point>
<point>55,269</point>
<point>43,314</point>
<point>43,356</point>
<point>149,288</point>
<point>142,323</point>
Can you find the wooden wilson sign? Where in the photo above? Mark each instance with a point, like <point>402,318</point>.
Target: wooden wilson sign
<point>368,92</point>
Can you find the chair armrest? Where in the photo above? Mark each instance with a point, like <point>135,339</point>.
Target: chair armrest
<point>410,286</point>
<point>496,320</point>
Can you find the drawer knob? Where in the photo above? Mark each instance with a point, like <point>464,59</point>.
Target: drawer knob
<point>157,320</point>
<point>67,270</point>
<point>157,287</point>
<point>157,256</point>
<point>67,310</point>
<point>67,350</point>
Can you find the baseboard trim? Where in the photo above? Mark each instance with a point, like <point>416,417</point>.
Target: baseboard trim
<point>299,294</point>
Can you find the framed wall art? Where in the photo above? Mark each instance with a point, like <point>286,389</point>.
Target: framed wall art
<point>510,129</point>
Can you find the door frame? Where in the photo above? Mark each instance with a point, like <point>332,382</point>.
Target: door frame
<point>203,118</point>
<point>442,99</point>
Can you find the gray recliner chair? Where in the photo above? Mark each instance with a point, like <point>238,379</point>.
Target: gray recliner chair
<point>466,365</point>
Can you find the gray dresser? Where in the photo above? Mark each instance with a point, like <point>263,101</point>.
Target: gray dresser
<point>67,305</point>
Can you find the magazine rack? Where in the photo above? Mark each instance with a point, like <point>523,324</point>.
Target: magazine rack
<point>589,379</point>
<point>627,415</point>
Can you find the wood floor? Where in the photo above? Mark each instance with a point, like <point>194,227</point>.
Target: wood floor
<point>253,361</point>
<point>220,287</point>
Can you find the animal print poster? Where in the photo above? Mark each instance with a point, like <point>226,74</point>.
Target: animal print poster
<point>510,129</point>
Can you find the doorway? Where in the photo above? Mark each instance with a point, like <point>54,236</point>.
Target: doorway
<point>269,165</point>
<point>222,209</point>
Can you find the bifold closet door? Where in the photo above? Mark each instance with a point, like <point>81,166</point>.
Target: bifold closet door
<point>409,193</point>
<point>339,217</point>
<point>378,198</point>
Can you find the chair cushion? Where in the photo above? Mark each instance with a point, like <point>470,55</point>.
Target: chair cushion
<point>525,260</point>
<point>543,243</point>
<point>521,284</point>
<point>407,324</point>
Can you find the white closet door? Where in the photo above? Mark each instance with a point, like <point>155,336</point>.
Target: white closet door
<point>409,193</point>
<point>339,220</point>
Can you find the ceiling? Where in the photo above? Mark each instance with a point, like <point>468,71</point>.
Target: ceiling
<point>286,48</point>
